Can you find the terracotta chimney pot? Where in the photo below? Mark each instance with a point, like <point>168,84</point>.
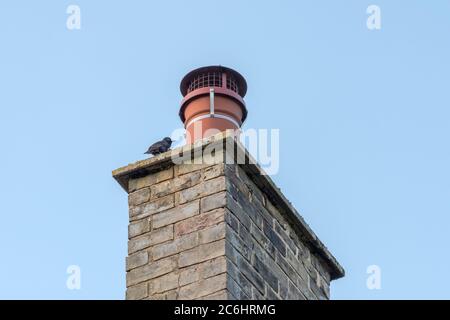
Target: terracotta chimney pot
<point>213,101</point>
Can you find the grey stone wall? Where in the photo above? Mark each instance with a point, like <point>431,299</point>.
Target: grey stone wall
<point>266,259</point>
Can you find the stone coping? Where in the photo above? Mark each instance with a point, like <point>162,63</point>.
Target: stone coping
<point>254,171</point>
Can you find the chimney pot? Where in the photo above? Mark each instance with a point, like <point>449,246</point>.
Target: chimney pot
<point>213,101</point>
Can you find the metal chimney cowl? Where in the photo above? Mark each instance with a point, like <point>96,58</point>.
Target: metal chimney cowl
<point>213,102</point>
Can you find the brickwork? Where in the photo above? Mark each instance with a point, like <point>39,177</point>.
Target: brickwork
<point>214,232</point>
<point>266,259</point>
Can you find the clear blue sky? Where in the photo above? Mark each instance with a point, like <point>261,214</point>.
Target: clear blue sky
<point>363,115</point>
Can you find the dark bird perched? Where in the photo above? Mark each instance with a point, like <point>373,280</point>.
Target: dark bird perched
<point>160,146</point>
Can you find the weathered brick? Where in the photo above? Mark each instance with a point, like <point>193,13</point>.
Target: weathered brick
<point>139,243</point>
<point>266,273</point>
<point>284,234</point>
<point>256,295</point>
<point>263,241</point>
<point>201,190</point>
<point>136,260</point>
<point>179,244</point>
<point>150,271</point>
<point>214,201</point>
<point>283,289</point>
<point>325,287</point>
<point>262,211</point>
<point>303,286</point>
<point>202,270</point>
<point>213,267</point>
<point>319,265</point>
<point>174,185</point>
<point>286,267</point>
<point>235,290</point>
<point>219,295</point>
<point>199,222</point>
<point>320,294</point>
<point>137,292</point>
<point>213,171</point>
<point>231,220</point>
<point>250,274</point>
<point>240,279</point>
<point>176,214</point>
<point>147,181</point>
<point>248,184</point>
<point>139,227</point>
<point>270,263</point>
<point>274,239</point>
<point>246,236</point>
<point>169,295</point>
<point>202,253</point>
<point>238,243</point>
<point>275,213</point>
<point>247,270</point>
<point>271,294</point>
<point>244,215</point>
<point>163,283</point>
<point>188,168</point>
<point>294,293</point>
<point>151,208</point>
<point>138,197</point>
<point>203,287</point>
<point>303,252</point>
<point>296,265</point>
<point>151,238</point>
<point>230,296</point>
<point>310,269</point>
<point>212,234</point>
<point>236,183</point>
<point>189,275</point>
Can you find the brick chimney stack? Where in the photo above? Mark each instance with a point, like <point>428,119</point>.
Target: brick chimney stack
<point>215,229</point>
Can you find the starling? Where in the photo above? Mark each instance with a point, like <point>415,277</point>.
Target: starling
<point>160,146</point>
